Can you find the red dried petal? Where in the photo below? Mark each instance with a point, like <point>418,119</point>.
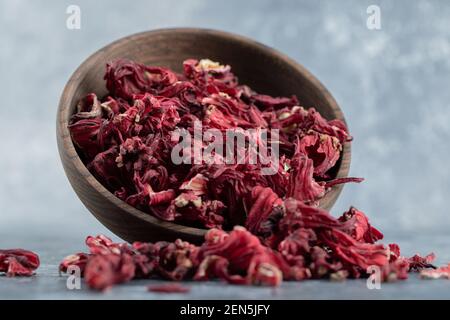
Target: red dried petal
<point>239,258</point>
<point>268,102</point>
<point>178,260</point>
<point>18,262</point>
<point>263,207</point>
<point>300,215</point>
<point>78,259</point>
<point>418,262</point>
<point>355,253</point>
<point>88,108</point>
<point>84,134</point>
<point>302,185</point>
<point>105,270</point>
<point>439,273</point>
<point>125,78</point>
<point>357,225</point>
<point>103,245</point>
<point>395,270</point>
<point>394,251</point>
<point>323,149</point>
<point>169,288</point>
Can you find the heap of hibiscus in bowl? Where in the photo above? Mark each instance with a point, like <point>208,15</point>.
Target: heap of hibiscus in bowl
<point>126,140</point>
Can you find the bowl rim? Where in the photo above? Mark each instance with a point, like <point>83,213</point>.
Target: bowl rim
<point>78,75</point>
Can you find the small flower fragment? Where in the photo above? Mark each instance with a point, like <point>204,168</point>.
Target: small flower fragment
<point>169,288</point>
<point>178,260</point>
<point>323,149</point>
<point>105,270</point>
<point>125,78</point>
<point>348,250</point>
<point>263,208</point>
<point>239,258</point>
<point>18,262</point>
<point>78,260</point>
<point>359,227</point>
<point>439,273</point>
<point>417,262</point>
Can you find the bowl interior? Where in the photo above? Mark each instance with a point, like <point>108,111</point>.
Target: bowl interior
<point>260,67</point>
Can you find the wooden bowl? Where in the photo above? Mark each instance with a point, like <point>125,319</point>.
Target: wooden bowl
<point>262,68</point>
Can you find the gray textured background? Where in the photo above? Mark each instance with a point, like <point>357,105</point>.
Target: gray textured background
<point>393,85</point>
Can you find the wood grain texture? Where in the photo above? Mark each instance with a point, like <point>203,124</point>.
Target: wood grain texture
<point>262,68</point>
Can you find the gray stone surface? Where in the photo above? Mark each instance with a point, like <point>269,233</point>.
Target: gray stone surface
<point>392,85</point>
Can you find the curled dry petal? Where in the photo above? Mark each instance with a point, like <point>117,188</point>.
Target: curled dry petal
<point>78,260</point>
<point>418,262</point>
<point>324,150</point>
<point>169,288</point>
<point>353,253</point>
<point>239,258</point>
<point>125,78</point>
<point>302,185</point>
<point>18,262</point>
<point>178,260</point>
<point>263,207</point>
<point>357,225</point>
<point>104,271</point>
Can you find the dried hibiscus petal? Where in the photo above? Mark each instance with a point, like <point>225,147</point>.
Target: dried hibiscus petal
<point>78,260</point>
<point>302,185</point>
<point>169,288</point>
<point>266,102</point>
<point>355,253</point>
<point>418,262</point>
<point>358,226</point>
<point>104,271</point>
<point>125,78</point>
<point>395,270</point>
<point>264,206</point>
<point>178,260</point>
<point>239,258</point>
<point>103,245</point>
<point>127,138</point>
<point>18,262</point>
<point>439,273</point>
<point>85,135</point>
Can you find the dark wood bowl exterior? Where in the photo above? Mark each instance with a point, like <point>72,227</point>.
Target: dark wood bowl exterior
<point>262,68</point>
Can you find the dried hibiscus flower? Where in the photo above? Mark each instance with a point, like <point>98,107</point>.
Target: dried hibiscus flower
<point>439,273</point>
<point>18,262</point>
<point>169,288</point>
